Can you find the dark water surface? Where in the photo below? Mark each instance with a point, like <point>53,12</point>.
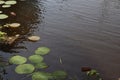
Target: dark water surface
<point>81,32</point>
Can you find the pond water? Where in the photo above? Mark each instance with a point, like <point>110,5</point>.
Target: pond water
<point>80,32</point>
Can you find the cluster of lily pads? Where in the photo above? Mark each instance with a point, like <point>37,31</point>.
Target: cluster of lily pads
<point>13,26</point>
<point>6,4</point>
<point>3,35</point>
<point>35,64</point>
<point>94,74</point>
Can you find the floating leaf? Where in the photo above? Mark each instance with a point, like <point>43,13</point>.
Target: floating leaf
<point>41,76</point>
<point>3,16</point>
<point>6,6</point>
<point>1,11</point>
<point>36,58</point>
<point>17,60</point>
<point>59,75</point>
<point>13,13</point>
<point>2,2</point>
<point>91,72</point>
<point>24,69</point>
<point>41,65</point>
<point>34,38</point>
<point>11,2</point>
<point>42,51</point>
<point>14,25</point>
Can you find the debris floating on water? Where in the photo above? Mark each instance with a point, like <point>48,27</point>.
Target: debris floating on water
<point>85,69</point>
<point>13,13</point>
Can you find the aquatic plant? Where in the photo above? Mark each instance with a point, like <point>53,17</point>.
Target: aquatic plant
<point>33,38</point>
<point>14,25</point>
<point>12,2</point>
<point>2,36</point>
<point>93,74</point>
<point>3,16</point>
<point>6,4</point>
<point>24,69</point>
<point>36,63</point>
<point>2,2</point>
<point>17,60</point>
<point>41,65</point>
<point>41,76</point>
<point>36,59</point>
<point>42,51</point>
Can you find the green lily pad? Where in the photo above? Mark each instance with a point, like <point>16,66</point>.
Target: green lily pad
<point>36,58</point>
<point>3,16</point>
<point>42,51</point>
<point>17,60</point>
<point>59,75</point>
<point>41,65</point>
<point>2,2</point>
<point>11,2</point>
<point>92,72</point>
<point>24,69</point>
<point>41,76</point>
<point>6,6</point>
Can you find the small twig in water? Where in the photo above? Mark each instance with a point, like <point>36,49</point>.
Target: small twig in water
<point>60,60</point>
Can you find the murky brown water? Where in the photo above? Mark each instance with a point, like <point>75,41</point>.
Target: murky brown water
<point>81,32</point>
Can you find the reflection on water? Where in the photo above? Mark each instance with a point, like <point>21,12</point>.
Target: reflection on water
<point>80,32</point>
<point>83,33</point>
<point>27,15</point>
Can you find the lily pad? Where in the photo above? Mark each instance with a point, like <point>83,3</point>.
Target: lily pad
<point>42,51</point>
<point>41,65</point>
<point>24,69</point>
<point>41,76</point>
<point>59,75</point>
<point>34,38</point>
<point>17,60</point>
<point>92,72</point>
<point>2,2</point>
<point>1,11</point>
<point>3,16</point>
<point>6,6</point>
<point>36,58</point>
<point>11,2</point>
<point>14,25</point>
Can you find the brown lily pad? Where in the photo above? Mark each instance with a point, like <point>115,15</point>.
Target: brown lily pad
<point>85,69</point>
<point>34,38</point>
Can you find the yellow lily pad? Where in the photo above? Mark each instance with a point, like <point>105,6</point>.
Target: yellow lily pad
<point>6,6</point>
<point>14,25</point>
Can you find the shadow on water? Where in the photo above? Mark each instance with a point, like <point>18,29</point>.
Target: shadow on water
<point>27,14</point>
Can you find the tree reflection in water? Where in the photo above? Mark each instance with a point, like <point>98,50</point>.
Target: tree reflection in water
<point>27,13</point>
